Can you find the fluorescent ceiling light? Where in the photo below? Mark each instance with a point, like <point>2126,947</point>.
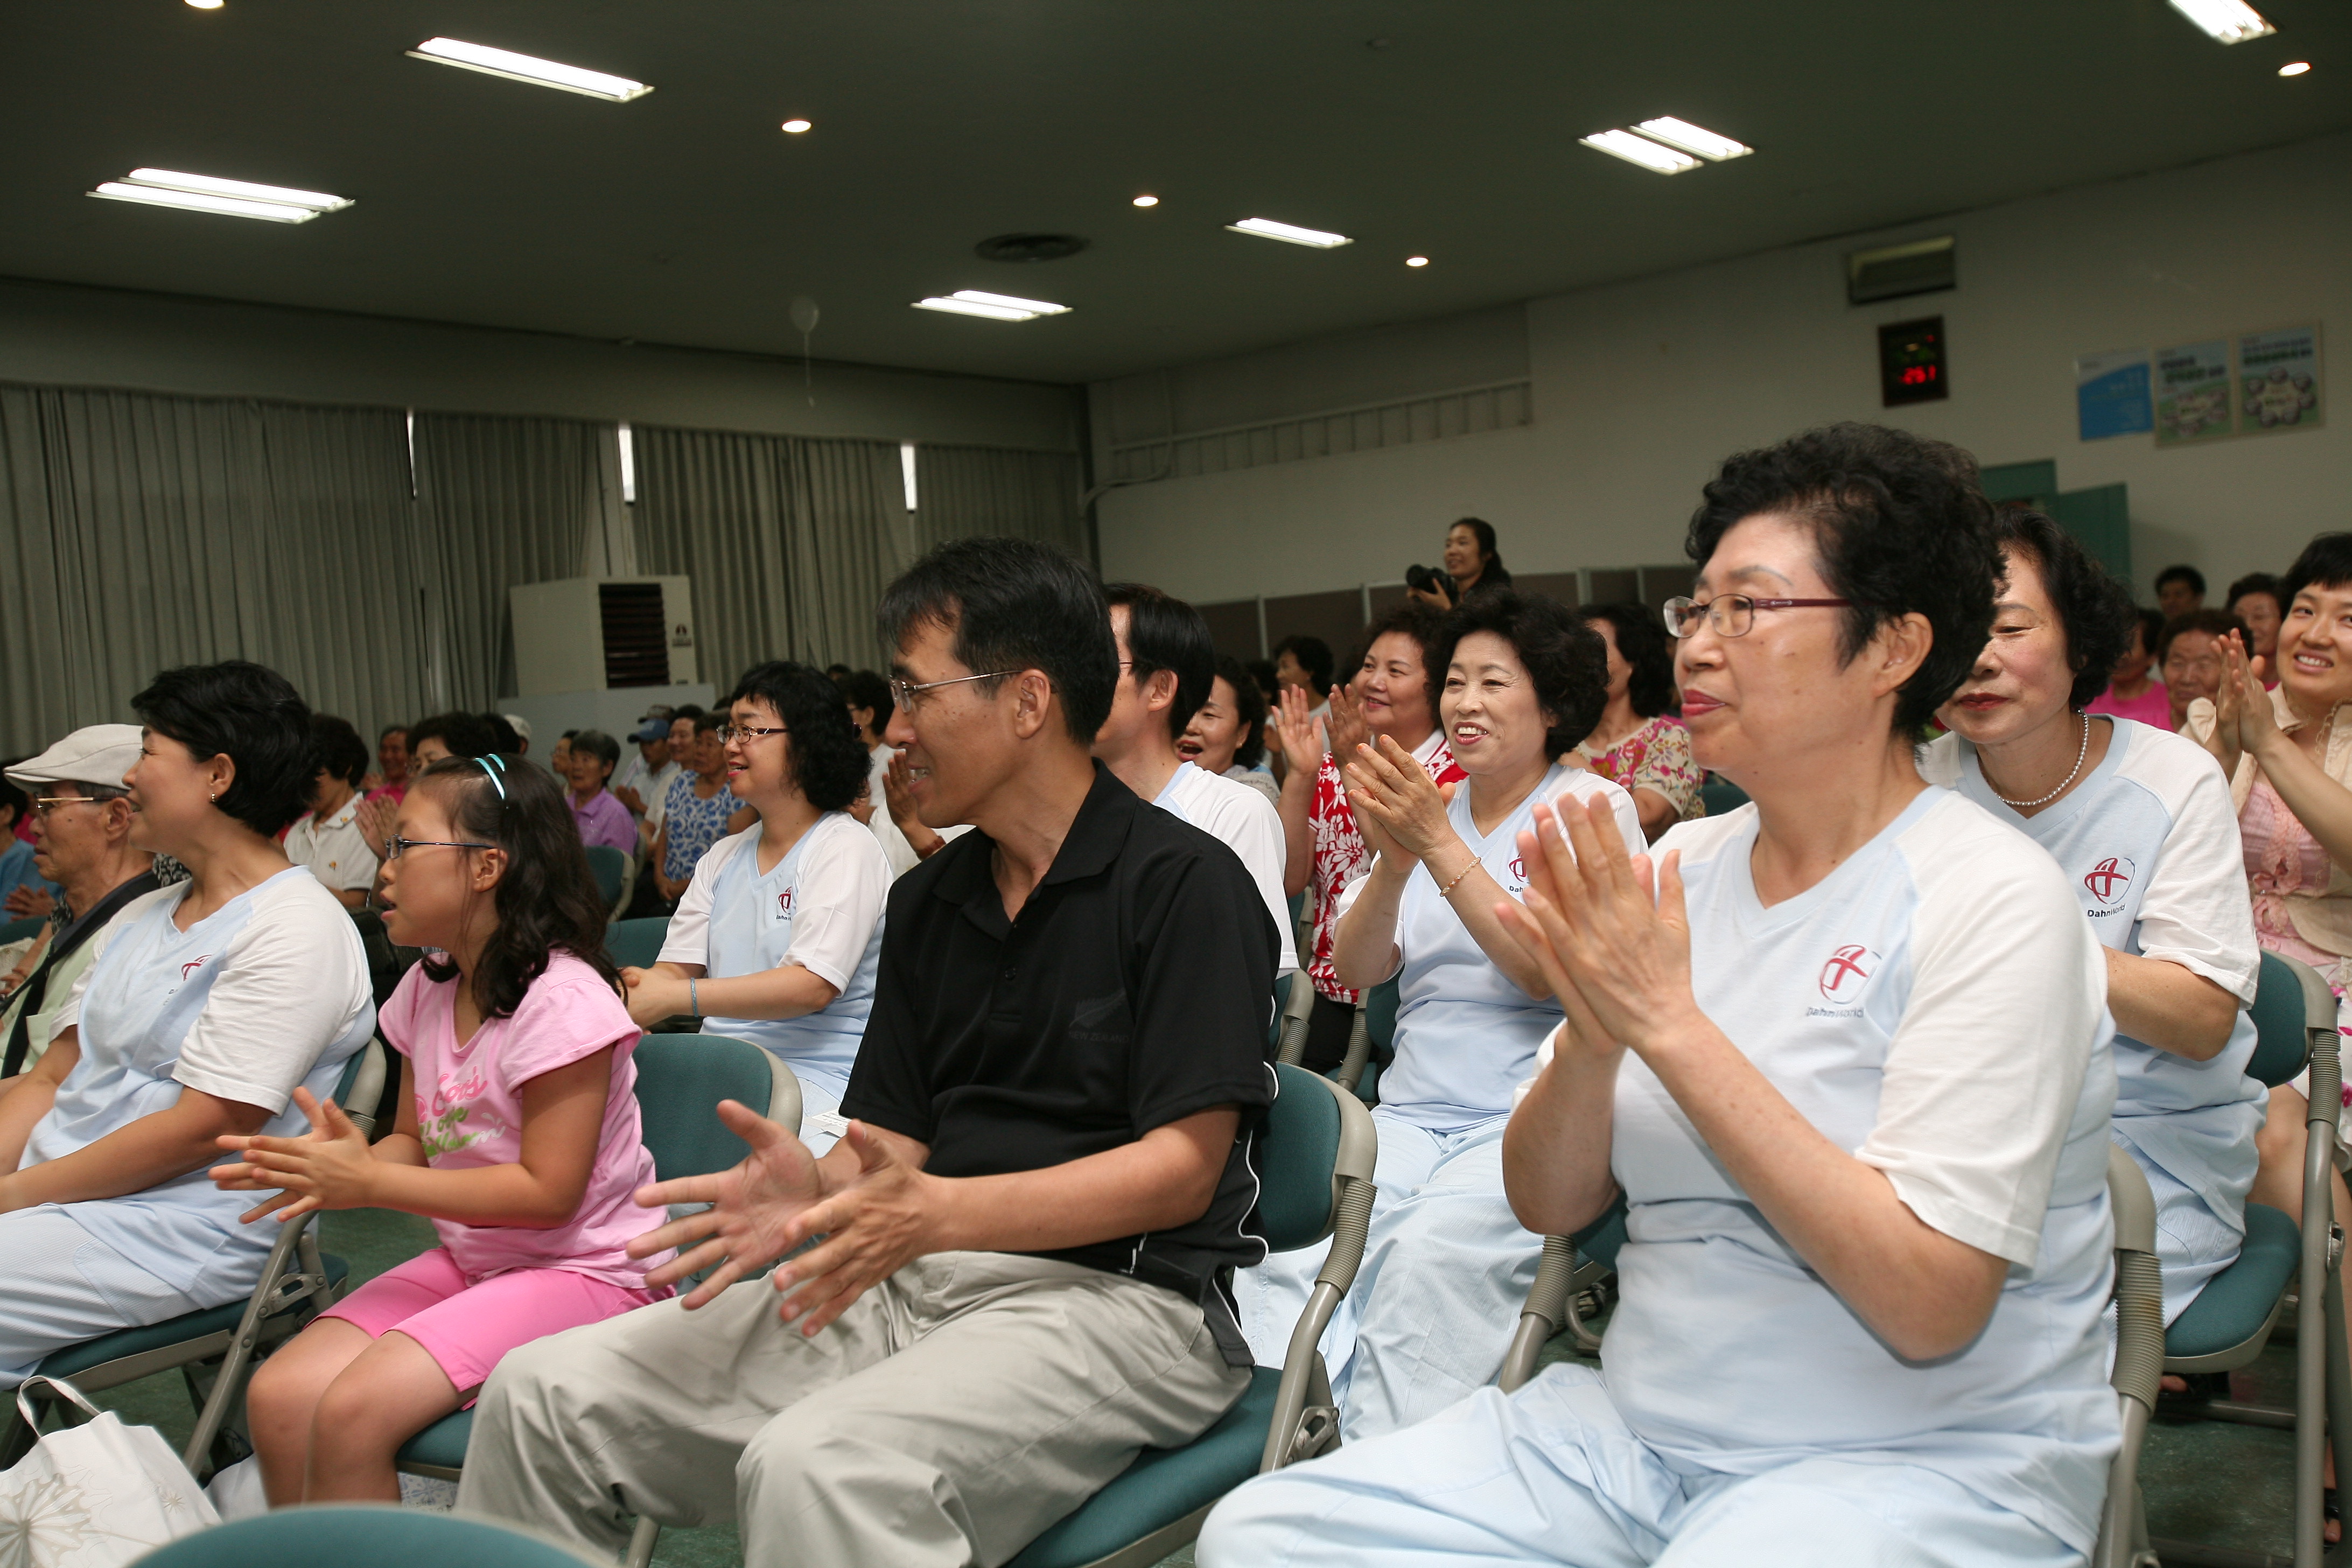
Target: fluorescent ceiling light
<point>1692,138</point>
<point>1649,154</point>
<point>524,67</point>
<point>2228,21</point>
<point>1289,234</point>
<point>994,307</point>
<point>233,198</point>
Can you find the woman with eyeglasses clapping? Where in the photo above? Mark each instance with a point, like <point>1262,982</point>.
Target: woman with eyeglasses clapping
<point>776,938</point>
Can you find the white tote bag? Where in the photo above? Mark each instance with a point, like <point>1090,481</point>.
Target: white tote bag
<point>95,1495</point>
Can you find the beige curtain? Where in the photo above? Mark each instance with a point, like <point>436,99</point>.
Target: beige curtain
<point>139,532</point>
<point>789,541</point>
<point>963,491</point>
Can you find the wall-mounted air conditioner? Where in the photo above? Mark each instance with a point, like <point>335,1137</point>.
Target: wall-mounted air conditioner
<point>591,634</point>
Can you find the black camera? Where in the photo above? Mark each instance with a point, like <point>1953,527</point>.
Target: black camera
<point>1430,579</point>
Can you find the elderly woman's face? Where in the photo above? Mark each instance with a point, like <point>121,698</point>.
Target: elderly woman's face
<point>2022,679</point>
<point>1394,687</point>
<point>1493,719</point>
<point>1217,730</point>
<point>1620,672</point>
<point>2192,669</point>
<point>1784,689</point>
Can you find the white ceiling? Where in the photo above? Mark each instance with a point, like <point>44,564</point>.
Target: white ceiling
<point>687,217</point>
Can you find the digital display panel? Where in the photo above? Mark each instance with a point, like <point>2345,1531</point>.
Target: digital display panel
<point>1911,362</point>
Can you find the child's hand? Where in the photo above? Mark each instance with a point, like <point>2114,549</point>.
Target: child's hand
<point>327,1168</point>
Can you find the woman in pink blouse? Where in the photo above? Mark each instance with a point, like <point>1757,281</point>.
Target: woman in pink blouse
<point>1640,741</point>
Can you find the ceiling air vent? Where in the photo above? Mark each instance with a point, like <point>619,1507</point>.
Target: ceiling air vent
<point>1029,247</point>
<point>1922,267</point>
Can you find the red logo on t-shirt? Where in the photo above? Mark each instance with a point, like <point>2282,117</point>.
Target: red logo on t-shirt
<point>190,968</point>
<point>1847,973</point>
<point>2109,879</point>
<point>1518,869</point>
<point>785,904</point>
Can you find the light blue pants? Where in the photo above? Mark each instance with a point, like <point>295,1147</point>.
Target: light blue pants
<point>2192,1244</point>
<point>1433,1306</point>
<point>821,1095</point>
<point>1552,1475</point>
<point>62,1288</point>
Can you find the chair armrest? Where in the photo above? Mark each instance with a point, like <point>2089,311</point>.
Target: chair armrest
<point>1351,1071</point>
<point>1546,1310</point>
<point>1305,1419</point>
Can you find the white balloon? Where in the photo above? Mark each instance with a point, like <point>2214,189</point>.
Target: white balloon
<point>804,315</point>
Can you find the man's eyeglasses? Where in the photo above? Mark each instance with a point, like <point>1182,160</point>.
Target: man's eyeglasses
<point>45,804</point>
<point>394,846</point>
<point>905,692</point>
<point>1732,615</point>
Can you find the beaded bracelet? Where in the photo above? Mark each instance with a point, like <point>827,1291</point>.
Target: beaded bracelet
<point>1448,891</point>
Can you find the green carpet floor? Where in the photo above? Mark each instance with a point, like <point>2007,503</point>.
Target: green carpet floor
<point>2207,1482</point>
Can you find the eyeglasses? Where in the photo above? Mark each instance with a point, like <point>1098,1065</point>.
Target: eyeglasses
<point>396,846</point>
<point>1731,615</point>
<point>45,804</point>
<point>729,733</point>
<point>904,693</point>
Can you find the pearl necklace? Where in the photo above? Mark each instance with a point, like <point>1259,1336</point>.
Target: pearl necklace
<point>2080,752</point>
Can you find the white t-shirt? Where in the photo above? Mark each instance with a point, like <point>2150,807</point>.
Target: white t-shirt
<point>2150,847</point>
<point>268,992</point>
<point>820,907</point>
<point>334,849</point>
<point>1239,818</point>
<point>654,789</point>
<point>1466,1034</point>
<point>1936,1005</point>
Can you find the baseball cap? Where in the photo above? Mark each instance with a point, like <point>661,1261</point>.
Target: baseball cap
<point>94,754</point>
<point>652,730</point>
<point>522,725</point>
<point>661,710</point>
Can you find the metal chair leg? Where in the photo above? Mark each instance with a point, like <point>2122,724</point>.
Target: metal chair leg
<point>641,1543</point>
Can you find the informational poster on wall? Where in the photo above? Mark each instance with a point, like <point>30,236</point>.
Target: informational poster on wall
<point>2193,392</point>
<point>2111,395</point>
<point>2278,380</point>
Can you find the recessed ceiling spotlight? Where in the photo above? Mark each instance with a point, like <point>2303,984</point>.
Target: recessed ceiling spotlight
<point>1416,262</point>
<point>1689,137</point>
<point>206,4</point>
<point>2226,21</point>
<point>794,127</point>
<point>1147,201</point>
<point>1653,156</point>
<point>525,67</point>
<point>994,307</point>
<point>2295,68</point>
<point>1289,234</point>
<point>232,198</point>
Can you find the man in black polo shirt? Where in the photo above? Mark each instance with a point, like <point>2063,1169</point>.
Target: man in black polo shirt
<point>1028,1226</point>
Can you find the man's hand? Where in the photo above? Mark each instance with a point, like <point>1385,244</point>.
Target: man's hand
<point>873,1227</point>
<point>328,1167</point>
<point>754,1205</point>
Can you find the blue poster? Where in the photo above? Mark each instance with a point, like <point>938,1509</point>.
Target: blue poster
<point>2111,395</point>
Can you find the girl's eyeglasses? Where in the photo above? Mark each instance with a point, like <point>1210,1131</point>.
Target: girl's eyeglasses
<point>394,846</point>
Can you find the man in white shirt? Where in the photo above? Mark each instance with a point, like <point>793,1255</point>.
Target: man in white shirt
<point>648,795</point>
<point>327,838</point>
<point>652,751</point>
<point>1166,663</point>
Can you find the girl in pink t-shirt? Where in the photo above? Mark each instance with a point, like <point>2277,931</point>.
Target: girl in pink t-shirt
<point>518,1137</point>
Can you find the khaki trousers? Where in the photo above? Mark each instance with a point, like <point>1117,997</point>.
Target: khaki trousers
<point>948,1416</point>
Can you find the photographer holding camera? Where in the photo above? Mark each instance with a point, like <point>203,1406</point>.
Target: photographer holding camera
<point>1470,562</point>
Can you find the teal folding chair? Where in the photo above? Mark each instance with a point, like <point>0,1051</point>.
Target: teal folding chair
<point>214,1349</point>
<point>1371,1044</point>
<point>1315,1171</point>
<point>681,1078</point>
<point>611,869</point>
<point>18,930</point>
<point>2231,1319</point>
<point>637,944</point>
<point>353,1535</point>
<point>1721,796</point>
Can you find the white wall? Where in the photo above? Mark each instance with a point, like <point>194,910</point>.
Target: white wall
<point>1640,387</point>
<point>99,337</point>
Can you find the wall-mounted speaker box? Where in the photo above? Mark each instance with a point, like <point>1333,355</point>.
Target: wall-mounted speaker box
<point>595,633</point>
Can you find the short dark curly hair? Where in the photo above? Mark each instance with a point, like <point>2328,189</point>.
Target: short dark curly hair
<point>1424,625</point>
<point>2094,611</point>
<point>337,747</point>
<point>2212,622</point>
<point>1249,707</point>
<point>1565,658</point>
<point>1641,642</point>
<point>2326,563</point>
<point>829,759</point>
<point>250,712</point>
<point>1901,526</point>
<point>464,734</point>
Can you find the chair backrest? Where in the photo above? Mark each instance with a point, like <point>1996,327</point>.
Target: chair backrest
<point>2281,1042</point>
<point>609,866</point>
<point>1381,1019</point>
<point>359,1536</point>
<point>681,1078</point>
<point>637,944</point>
<point>1314,1131</point>
<point>1722,795</point>
<point>359,1091</point>
<point>19,930</point>
<point>1281,1005</point>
